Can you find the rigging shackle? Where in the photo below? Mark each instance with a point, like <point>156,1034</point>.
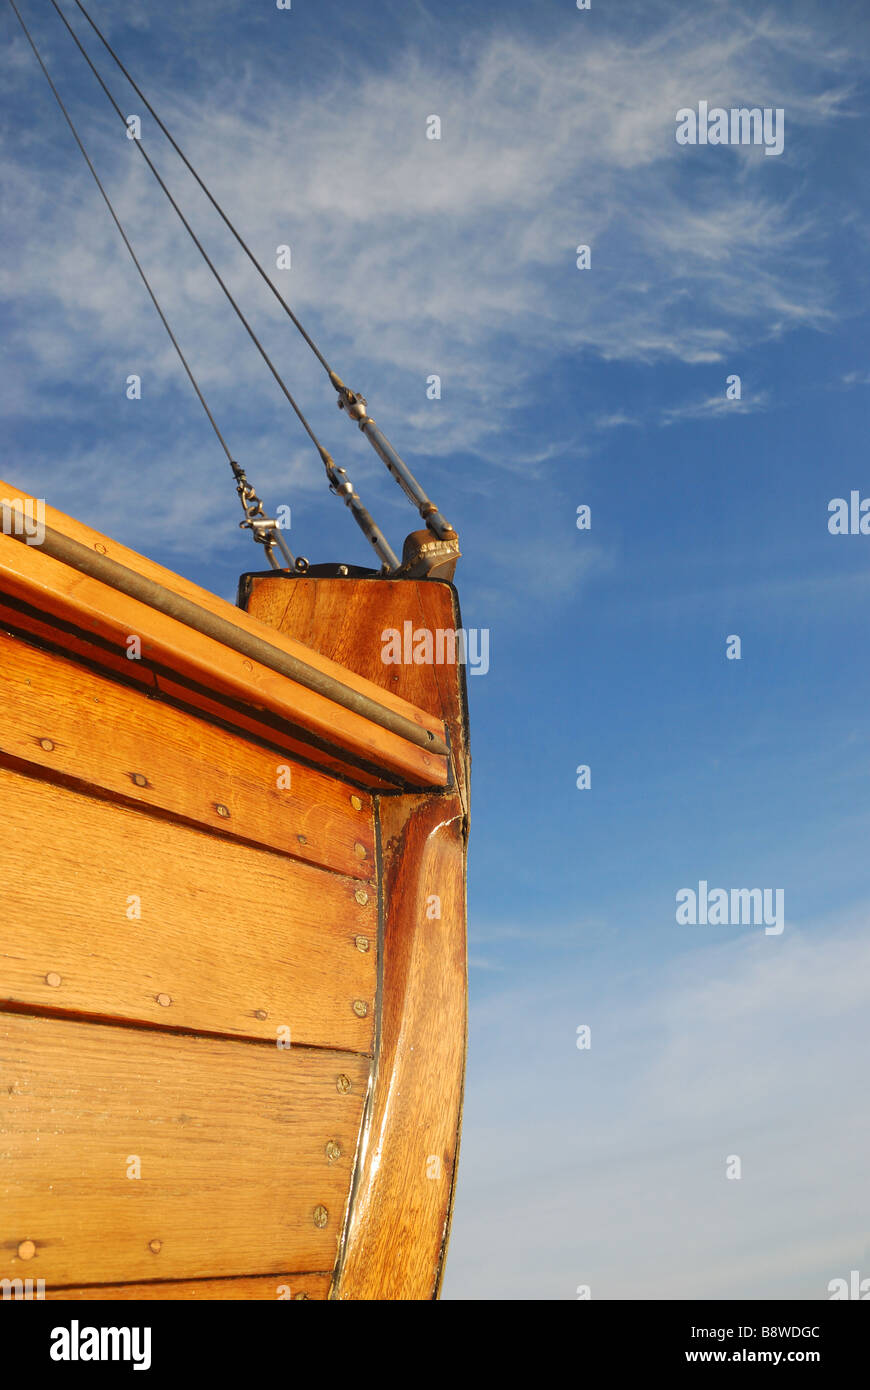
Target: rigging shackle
<point>356,407</point>
<point>341,485</point>
<point>264,529</point>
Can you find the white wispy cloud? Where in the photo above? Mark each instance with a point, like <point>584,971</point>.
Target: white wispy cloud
<point>607,1167</point>
<point>614,421</point>
<point>411,256</point>
<point>714,407</point>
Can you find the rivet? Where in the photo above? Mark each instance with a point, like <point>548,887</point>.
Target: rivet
<point>99,547</point>
<point>361,896</point>
<point>360,1008</point>
<point>247,666</point>
<point>333,1151</point>
<point>26,1250</point>
<point>47,745</point>
<point>139,779</point>
<point>164,1000</point>
<point>342,1084</point>
<point>321,1216</point>
<point>53,979</point>
<point>221,809</point>
<point>356,803</point>
<point>361,943</point>
<point>260,1013</point>
<point>155,1246</point>
<point>359,850</point>
<point>302,840</point>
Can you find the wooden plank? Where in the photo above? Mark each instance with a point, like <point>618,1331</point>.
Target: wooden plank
<point>345,619</point>
<point>278,733</point>
<point>105,545</point>
<point>61,716</point>
<point>236,939</point>
<point>231,1138</point>
<point>297,1287</point>
<point>396,1239</point>
<point>20,621</point>
<point>35,578</point>
<point>73,597</point>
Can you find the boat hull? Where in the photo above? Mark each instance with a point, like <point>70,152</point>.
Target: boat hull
<point>232,979</point>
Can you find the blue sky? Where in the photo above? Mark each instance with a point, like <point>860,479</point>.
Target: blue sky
<point>560,387</point>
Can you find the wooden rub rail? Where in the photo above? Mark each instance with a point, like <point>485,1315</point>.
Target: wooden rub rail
<point>148,591</point>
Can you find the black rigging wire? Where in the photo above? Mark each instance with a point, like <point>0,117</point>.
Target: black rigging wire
<point>277,539</point>
<point>214,202</point>
<point>324,454</point>
<point>348,400</point>
<point>126,239</point>
<point>338,480</point>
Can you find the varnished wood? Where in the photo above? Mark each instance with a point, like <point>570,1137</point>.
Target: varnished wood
<point>278,732</point>
<point>398,1227</point>
<point>231,1137</point>
<point>176,583</point>
<point>232,1131</point>
<point>69,596</point>
<point>265,1287</point>
<point>28,574</point>
<point>57,715</point>
<point>238,940</point>
<point>346,619</point>
<point>396,1238</point>
<point>23,622</point>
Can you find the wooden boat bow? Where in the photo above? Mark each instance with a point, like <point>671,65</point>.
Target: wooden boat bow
<point>233,980</point>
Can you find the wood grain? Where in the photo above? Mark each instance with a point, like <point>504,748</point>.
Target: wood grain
<point>105,545</point>
<point>395,1243</point>
<point>231,1138</point>
<point>279,733</point>
<point>236,939</point>
<point>265,1287</point>
<point>24,623</point>
<point>396,1239</point>
<point>58,715</point>
<point>68,595</point>
<point>344,619</point>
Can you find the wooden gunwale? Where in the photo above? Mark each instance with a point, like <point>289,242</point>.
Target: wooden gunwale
<point>94,605</point>
<point>148,592</point>
<point>176,583</point>
<point>28,573</point>
<point>60,638</point>
<point>60,719</point>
